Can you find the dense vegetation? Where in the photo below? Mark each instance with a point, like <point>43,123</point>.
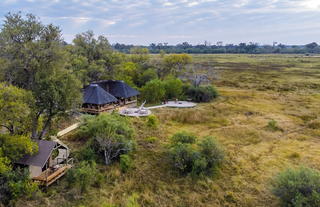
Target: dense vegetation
<point>298,187</point>
<point>191,157</point>
<point>218,48</point>
<point>264,122</point>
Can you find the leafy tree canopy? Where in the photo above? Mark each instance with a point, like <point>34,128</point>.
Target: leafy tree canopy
<point>15,109</point>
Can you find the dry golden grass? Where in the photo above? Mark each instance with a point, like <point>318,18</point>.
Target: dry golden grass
<point>254,90</point>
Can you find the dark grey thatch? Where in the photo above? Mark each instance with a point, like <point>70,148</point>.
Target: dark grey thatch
<point>41,158</point>
<point>94,94</point>
<point>118,89</point>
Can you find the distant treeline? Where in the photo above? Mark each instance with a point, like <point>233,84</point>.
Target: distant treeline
<point>206,48</point>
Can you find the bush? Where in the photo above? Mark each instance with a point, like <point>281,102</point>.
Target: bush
<point>298,187</point>
<point>273,126</point>
<point>152,121</point>
<point>201,93</point>
<point>183,157</point>
<point>173,87</point>
<point>183,137</point>
<point>211,151</point>
<point>87,154</point>
<point>147,76</point>
<point>111,134</point>
<point>195,158</point>
<point>125,163</point>
<point>153,91</point>
<point>15,184</point>
<point>84,175</point>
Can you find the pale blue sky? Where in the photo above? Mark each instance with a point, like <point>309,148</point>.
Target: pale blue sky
<point>148,21</point>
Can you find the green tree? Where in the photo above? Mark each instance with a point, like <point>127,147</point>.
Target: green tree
<point>173,87</point>
<point>36,62</point>
<point>97,58</point>
<point>139,55</point>
<point>146,76</point>
<point>15,146</point>
<point>15,109</point>
<point>175,64</point>
<point>153,91</point>
<point>128,72</point>
<point>112,135</point>
<point>55,96</point>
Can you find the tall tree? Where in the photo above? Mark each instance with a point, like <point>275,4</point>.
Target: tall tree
<point>95,58</point>
<point>174,64</point>
<point>35,61</point>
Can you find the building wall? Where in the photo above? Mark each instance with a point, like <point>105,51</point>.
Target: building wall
<point>35,171</point>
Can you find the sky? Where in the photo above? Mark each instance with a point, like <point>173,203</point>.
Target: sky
<point>142,22</point>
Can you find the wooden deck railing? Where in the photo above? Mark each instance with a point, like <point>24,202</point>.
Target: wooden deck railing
<point>49,176</point>
<point>96,111</point>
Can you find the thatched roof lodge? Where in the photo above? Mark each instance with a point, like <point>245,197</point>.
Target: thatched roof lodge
<point>106,95</point>
<point>97,100</point>
<point>126,95</point>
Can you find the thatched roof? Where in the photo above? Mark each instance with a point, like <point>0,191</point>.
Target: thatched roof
<point>94,94</point>
<point>118,89</point>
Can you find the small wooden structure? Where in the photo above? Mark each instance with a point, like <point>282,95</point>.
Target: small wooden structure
<point>44,168</point>
<point>97,100</point>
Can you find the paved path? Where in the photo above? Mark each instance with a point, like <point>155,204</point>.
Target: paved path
<point>174,104</point>
<point>156,107</point>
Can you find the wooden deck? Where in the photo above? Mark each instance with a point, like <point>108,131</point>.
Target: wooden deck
<point>97,111</point>
<point>49,176</point>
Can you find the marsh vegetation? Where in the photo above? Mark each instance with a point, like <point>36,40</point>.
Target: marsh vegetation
<point>259,94</point>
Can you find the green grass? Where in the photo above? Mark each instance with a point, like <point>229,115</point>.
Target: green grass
<point>254,90</point>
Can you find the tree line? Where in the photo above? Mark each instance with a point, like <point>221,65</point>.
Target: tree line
<point>218,48</point>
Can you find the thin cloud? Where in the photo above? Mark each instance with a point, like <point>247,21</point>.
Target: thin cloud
<point>173,21</point>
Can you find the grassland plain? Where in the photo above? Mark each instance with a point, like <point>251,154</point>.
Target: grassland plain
<point>254,89</point>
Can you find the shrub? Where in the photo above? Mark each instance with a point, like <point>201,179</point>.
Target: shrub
<point>298,187</point>
<point>201,93</point>
<point>173,87</point>
<point>273,126</point>
<point>153,91</point>
<point>88,153</point>
<point>195,158</point>
<point>211,151</point>
<point>183,157</point>
<point>84,175</point>
<point>112,135</point>
<point>125,163</point>
<point>15,184</point>
<point>152,121</point>
<point>183,137</point>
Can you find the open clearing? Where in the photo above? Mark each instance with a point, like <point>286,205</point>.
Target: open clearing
<point>254,89</point>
